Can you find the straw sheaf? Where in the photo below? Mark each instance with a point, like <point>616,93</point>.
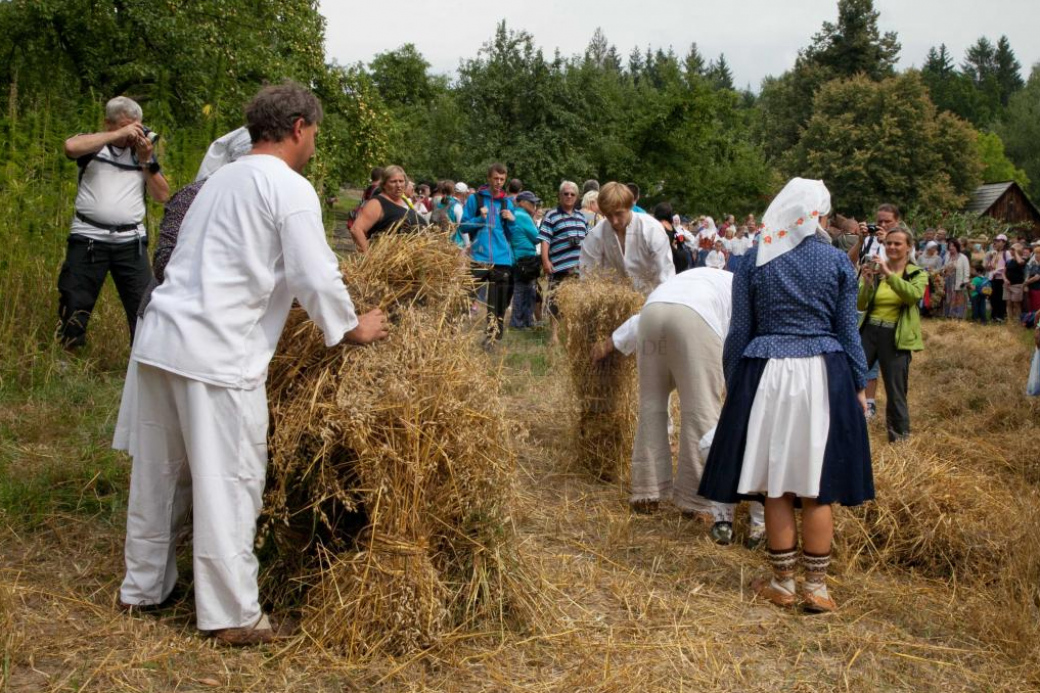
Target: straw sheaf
<point>404,443</point>
<point>603,395</point>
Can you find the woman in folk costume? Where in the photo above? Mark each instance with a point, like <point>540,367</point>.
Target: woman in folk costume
<point>795,431</point>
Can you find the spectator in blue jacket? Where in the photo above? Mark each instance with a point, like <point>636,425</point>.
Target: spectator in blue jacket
<point>526,261</point>
<point>488,219</point>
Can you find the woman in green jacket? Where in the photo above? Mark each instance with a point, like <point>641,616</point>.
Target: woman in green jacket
<point>890,291</point>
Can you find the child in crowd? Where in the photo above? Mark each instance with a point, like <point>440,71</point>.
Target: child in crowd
<point>717,257</point>
<point>980,289</point>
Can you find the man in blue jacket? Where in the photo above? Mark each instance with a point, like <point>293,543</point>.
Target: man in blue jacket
<point>488,220</point>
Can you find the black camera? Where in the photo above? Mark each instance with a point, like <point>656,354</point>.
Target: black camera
<point>152,136</point>
<point>872,229</point>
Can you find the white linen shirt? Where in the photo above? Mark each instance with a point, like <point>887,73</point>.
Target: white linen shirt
<point>251,242</point>
<point>646,259</point>
<point>706,290</point>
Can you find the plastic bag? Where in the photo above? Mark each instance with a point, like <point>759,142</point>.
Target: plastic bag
<point>1033,387</point>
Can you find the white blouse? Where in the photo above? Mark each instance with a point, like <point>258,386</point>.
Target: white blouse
<point>646,258</point>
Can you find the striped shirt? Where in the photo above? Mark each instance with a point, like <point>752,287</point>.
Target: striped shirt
<point>564,232</point>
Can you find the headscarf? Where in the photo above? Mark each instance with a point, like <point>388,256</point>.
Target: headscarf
<point>793,216</point>
<point>224,150</point>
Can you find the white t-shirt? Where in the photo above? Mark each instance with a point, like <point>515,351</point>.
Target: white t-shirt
<point>647,256</point>
<point>876,251</point>
<point>706,290</point>
<point>251,242</point>
<point>111,191</point>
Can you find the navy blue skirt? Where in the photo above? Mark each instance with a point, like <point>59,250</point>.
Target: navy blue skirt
<point>846,477</point>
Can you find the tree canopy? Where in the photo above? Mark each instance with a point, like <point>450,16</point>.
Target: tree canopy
<point>671,122</point>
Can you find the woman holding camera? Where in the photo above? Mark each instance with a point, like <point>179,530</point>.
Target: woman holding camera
<point>890,291</point>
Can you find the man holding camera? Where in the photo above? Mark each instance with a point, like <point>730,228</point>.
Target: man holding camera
<point>117,167</point>
<point>871,244</point>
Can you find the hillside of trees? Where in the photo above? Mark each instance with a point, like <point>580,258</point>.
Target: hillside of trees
<point>670,121</point>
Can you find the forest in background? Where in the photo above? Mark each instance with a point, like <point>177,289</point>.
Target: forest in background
<point>673,123</point>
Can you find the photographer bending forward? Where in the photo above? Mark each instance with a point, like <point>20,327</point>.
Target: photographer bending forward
<point>890,291</point>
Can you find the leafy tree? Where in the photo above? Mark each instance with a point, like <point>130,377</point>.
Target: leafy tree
<point>400,76</point>
<point>1020,130</point>
<point>719,74</point>
<point>883,141</point>
<point>693,64</point>
<point>854,44</point>
<point>1007,70</point>
<point>954,91</point>
<point>980,61</point>
<point>996,166</point>
<point>601,54</point>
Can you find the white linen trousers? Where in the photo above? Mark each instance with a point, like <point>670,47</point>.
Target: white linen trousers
<point>204,447</point>
<point>677,350</point>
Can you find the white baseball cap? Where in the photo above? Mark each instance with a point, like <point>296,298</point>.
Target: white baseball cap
<point>461,187</point>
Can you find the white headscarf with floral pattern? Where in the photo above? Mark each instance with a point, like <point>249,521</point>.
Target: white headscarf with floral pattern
<point>793,215</point>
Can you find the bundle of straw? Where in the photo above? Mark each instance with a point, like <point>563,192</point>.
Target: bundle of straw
<point>392,465</point>
<point>933,516</point>
<point>604,394</point>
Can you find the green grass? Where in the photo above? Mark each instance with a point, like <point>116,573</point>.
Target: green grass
<point>55,457</point>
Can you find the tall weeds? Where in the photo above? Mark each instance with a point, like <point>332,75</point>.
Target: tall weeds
<point>37,193</point>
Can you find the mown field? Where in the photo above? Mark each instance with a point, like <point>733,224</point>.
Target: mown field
<point>938,580</point>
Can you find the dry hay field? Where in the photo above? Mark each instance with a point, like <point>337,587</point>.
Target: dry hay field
<point>937,580</point>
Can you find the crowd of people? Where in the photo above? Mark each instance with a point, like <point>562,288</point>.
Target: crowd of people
<point>773,334</point>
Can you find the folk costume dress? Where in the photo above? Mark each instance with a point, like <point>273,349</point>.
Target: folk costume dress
<point>794,364</point>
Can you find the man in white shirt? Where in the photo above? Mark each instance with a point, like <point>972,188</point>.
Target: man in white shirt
<point>194,411</point>
<point>678,339</point>
<point>629,243</point>
<point>117,167</point>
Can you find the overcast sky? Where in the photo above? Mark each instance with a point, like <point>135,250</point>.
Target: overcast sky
<point>758,37</point>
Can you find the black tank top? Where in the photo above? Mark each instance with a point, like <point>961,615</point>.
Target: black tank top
<point>392,214</point>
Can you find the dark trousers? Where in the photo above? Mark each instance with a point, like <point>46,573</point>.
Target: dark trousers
<point>498,279</point>
<point>879,343</point>
<point>978,308</point>
<point>83,273</point>
<point>996,300</point>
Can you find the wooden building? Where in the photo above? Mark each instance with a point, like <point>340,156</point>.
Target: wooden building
<point>1006,202</point>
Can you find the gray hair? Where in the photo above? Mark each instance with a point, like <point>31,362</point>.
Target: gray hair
<point>122,107</point>
<point>569,184</point>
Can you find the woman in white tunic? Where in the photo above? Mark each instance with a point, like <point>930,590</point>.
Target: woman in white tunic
<point>628,243</point>
<point>793,428</point>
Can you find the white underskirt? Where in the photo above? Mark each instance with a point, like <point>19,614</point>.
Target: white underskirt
<point>787,429</point>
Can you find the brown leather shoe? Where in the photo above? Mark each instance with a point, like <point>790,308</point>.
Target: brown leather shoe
<point>263,632</point>
<point>815,604</point>
<point>763,588</point>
